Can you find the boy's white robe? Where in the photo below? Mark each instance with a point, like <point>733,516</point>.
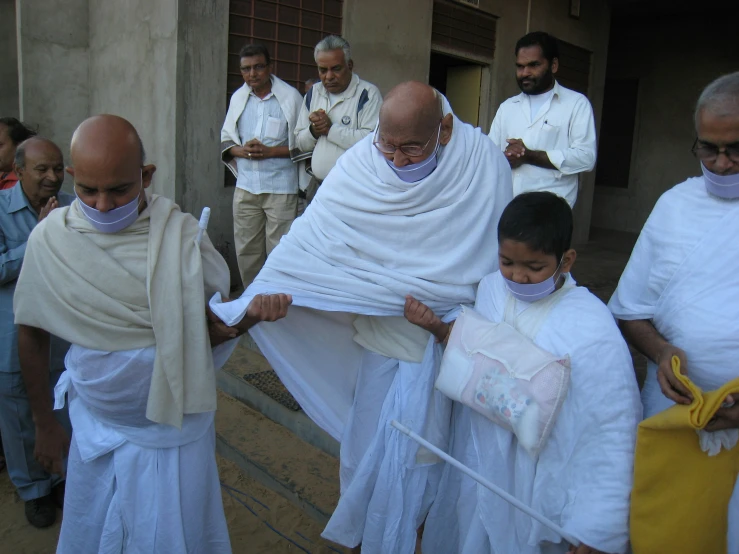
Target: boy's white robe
<point>683,276</point>
<point>366,241</point>
<point>581,480</point>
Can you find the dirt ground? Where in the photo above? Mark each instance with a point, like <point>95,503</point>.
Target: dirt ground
<point>259,521</point>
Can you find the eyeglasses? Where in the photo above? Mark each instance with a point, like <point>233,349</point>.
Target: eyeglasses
<point>412,150</point>
<point>258,68</point>
<point>707,152</point>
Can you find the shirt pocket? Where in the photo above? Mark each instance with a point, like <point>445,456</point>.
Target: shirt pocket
<point>276,129</point>
<point>549,134</point>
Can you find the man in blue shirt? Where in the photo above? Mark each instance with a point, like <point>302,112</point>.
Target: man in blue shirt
<point>40,169</point>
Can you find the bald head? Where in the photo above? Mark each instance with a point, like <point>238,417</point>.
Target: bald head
<point>108,162</point>
<point>411,118</point>
<point>36,147</point>
<point>107,135</point>
<point>411,107</point>
<point>721,97</point>
<point>40,168</point>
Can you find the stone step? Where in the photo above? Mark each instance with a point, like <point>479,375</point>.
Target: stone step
<point>273,456</point>
<point>246,361</point>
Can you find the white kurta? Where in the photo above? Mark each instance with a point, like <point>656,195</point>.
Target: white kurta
<point>683,276</point>
<point>582,478</point>
<point>365,242</point>
<point>133,485</point>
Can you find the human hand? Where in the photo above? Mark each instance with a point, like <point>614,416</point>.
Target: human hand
<point>52,446</point>
<point>51,204</point>
<point>255,150</point>
<point>725,418</point>
<point>671,386</point>
<point>420,314</point>
<point>218,331</point>
<point>321,122</point>
<point>266,307</point>
<point>583,549</point>
<point>515,152</point>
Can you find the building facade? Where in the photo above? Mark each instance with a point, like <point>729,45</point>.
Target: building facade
<point>170,65</point>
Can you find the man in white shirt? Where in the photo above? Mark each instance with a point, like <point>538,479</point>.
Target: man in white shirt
<point>256,141</point>
<point>339,111</point>
<point>548,131</point>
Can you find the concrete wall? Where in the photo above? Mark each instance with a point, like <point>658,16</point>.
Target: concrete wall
<point>391,39</point>
<point>133,73</point>
<point>672,71</point>
<point>201,107</point>
<point>53,66</point>
<point>9,106</point>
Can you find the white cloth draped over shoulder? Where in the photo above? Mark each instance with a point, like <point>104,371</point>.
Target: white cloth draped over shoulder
<point>366,241</point>
<point>142,286</point>
<point>290,103</point>
<point>684,277</point>
<point>582,478</point>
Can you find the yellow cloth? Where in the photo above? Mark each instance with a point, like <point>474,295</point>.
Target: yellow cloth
<point>680,499</point>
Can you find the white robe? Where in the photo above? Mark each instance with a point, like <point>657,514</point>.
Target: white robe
<point>366,241</point>
<point>582,478</point>
<point>133,485</point>
<point>683,275</point>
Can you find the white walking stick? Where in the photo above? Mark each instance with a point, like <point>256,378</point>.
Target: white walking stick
<point>203,224</point>
<point>487,484</point>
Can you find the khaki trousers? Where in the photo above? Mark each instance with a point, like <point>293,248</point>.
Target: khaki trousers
<point>260,220</point>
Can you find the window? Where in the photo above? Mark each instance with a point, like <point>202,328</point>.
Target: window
<point>290,29</point>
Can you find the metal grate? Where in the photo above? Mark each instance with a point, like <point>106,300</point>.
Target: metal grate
<point>270,384</point>
<point>463,29</point>
<point>289,29</point>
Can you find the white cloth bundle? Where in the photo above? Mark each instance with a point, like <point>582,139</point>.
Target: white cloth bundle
<point>503,375</point>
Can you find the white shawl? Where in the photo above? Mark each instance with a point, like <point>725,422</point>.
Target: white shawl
<point>289,99</point>
<point>141,287</point>
<point>366,241</point>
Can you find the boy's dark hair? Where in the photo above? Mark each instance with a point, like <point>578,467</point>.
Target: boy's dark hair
<point>548,44</point>
<point>254,50</point>
<point>540,220</point>
<point>17,131</point>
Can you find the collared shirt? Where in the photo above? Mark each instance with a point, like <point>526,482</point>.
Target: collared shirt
<point>564,128</point>
<point>8,180</point>
<point>353,113</point>
<point>17,220</point>
<point>263,119</point>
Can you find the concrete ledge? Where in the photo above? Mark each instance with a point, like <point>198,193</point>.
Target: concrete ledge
<point>277,459</point>
<point>230,381</point>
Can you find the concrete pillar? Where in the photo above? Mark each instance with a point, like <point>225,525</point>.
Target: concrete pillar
<point>9,106</point>
<point>391,39</point>
<point>201,108</point>
<point>133,74</point>
<point>53,38</point>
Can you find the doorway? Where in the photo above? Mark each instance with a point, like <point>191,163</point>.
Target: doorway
<point>460,81</point>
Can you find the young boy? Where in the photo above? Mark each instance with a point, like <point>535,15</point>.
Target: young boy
<point>582,478</point>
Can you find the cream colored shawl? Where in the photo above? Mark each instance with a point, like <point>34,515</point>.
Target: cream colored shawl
<point>141,287</point>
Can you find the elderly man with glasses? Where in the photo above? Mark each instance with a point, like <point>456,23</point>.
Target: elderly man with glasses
<point>410,210</point>
<point>256,141</point>
<point>679,294</point>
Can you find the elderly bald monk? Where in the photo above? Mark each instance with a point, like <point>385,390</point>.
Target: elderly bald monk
<point>110,274</point>
<point>407,210</point>
<point>679,297</point>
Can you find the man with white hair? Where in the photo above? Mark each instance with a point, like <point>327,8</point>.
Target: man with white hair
<point>339,111</point>
<point>409,210</point>
<point>679,294</point>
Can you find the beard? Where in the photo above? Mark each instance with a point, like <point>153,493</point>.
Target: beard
<point>534,86</point>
